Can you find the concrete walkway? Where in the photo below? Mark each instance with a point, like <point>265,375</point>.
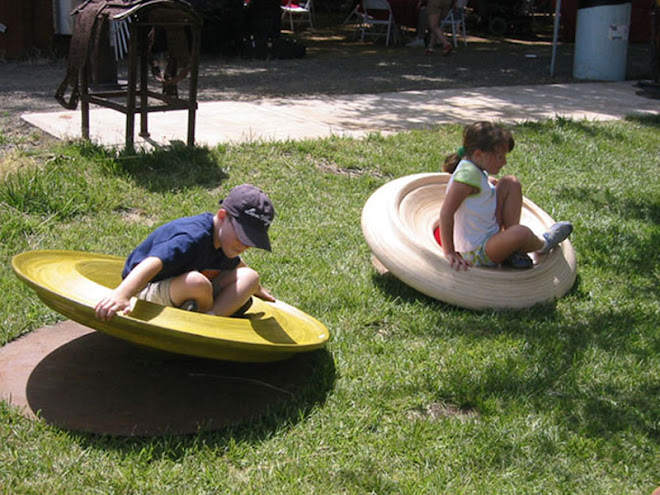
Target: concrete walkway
<point>356,115</point>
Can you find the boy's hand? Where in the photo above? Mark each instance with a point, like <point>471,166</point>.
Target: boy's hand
<point>119,300</point>
<point>112,304</point>
<point>263,293</point>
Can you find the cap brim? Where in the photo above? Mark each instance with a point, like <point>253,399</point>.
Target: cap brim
<point>251,236</point>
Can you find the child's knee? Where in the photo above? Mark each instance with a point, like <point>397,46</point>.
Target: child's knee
<point>248,277</point>
<point>526,239</point>
<point>522,233</point>
<point>198,283</point>
<point>510,183</point>
<point>192,285</point>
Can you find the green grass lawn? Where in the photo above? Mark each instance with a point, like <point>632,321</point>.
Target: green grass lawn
<point>411,395</point>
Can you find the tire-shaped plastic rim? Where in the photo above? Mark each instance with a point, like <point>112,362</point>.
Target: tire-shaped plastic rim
<point>398,222</point>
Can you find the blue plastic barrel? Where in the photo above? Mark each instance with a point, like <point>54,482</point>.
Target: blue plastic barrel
<point>601,40</point>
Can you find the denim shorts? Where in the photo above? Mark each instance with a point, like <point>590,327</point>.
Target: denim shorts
<point>478,257</point>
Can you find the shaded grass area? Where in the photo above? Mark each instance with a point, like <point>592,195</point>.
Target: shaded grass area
<point>411,395</point>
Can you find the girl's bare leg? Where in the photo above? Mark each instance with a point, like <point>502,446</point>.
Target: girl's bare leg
<point>509,202</point>
<point>513,236</point>
<point>516,238</point>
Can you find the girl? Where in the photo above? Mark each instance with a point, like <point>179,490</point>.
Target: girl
<point>480,216</point>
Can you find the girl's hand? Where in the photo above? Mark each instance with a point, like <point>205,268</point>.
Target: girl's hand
<point>457,262</point>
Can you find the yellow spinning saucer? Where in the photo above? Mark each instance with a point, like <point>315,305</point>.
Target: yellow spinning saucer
<point>72,282</point>
<point>398,221</point>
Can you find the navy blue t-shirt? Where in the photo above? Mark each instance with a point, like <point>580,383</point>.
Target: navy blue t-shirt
<point>183,245</point>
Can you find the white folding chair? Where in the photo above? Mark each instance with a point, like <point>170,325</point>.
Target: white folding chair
<point>377,13</point>
<point>456,20</point>
<point>298,12</point>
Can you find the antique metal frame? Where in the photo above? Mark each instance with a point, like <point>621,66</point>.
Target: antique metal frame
<point>134,98</point>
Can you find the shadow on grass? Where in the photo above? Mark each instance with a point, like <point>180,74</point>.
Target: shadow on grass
<point>569,369</point>
<point>559,123</point>
<point>566,366</point>
<point>604,200</point>
<point>173,168</point>
<point>646,120</point>
<point>119,395</point>
<point>631,251</point>
<point>396,289</point>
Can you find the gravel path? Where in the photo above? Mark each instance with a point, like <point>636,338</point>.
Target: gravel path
<point>334,64</point>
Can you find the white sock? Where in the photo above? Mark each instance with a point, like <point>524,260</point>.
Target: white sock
<point>544,248</point>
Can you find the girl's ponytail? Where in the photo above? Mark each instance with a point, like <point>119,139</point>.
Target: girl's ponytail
<point>451,162</point>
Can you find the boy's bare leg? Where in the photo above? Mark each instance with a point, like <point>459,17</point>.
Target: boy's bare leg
<point>192,285</point>
<point>236,287</point>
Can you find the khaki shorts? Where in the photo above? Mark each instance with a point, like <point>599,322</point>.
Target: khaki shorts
<point>157,292</point>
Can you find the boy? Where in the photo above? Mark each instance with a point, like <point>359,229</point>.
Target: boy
<point>194,262</point>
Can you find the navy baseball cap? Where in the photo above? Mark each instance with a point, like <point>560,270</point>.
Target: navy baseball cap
<point>251,212</point>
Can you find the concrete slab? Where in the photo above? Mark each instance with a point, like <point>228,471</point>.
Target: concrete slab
<point>279,119</point>
<point>78,379</point>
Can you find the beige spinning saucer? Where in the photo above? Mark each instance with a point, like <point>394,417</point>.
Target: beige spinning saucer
<point>398,221</point>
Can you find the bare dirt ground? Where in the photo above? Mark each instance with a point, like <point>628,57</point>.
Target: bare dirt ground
<point>336,62</point>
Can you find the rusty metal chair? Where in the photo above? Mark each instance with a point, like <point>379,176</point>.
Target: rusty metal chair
<point>107,29</point>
